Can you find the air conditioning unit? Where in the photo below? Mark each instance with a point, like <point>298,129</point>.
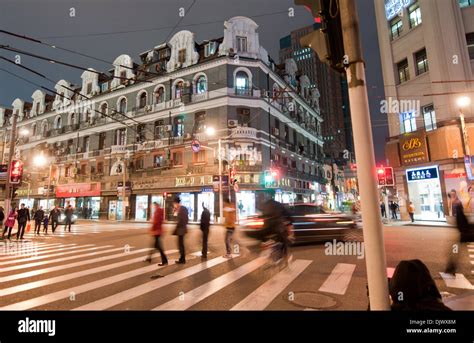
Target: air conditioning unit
<point>168,128</point>
<point>232,123</point>
<point>276,131</point>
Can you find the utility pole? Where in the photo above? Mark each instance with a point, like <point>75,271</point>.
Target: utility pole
<point>364,149</point>
<point>9,165</point>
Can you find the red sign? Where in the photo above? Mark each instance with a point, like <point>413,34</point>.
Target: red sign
<point>78,190</point>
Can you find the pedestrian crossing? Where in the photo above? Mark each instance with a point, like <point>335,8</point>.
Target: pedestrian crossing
<point>94,277</point>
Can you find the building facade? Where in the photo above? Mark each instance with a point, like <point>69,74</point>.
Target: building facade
<point>427,53</point>
<point>141,134</point>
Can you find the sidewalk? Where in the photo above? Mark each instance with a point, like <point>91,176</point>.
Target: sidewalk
<point>416,223</point>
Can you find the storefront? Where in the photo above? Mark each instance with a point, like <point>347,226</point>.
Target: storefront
<point>141,208</point>
<point>46,204</point>
<point>206,197</point>
<point>83,197</point>
<point>29,202</point>
<point>246,203</point>
<point>285,197</point>
<point>424,191</point>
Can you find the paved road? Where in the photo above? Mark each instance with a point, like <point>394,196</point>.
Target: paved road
<point>101,266</point>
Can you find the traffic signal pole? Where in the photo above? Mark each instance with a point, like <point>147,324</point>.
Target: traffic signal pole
<point>364,149</point>
<point>9,164</point>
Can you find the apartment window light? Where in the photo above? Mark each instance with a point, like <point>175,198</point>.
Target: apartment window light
<point>421,62</point>
<point>403,73</point>
<point>396,27</point>
<point>414,14</point>
<point>429,117</point>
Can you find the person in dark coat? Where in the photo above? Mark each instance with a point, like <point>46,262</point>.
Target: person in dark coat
<point>156,231</point>
<point>413,289</point>
<point>23,216</point>
<point>68,213</point>
<point>54,217</point>
<point>181,228</point>
<point>2,216</point>
<point>38,218</point>
<point>205,224</point>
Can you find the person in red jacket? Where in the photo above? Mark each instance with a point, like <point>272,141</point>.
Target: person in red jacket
<point>156,231</point>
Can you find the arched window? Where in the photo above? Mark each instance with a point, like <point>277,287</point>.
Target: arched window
<point>104,109</point>
<point>72,119</point>
<point>242,84</point>
<point>123,105</point>
<point>87,116</point>
<point>201,85</point>
<point>160,95</point>
<point>142,100</point>
<point>33,130</point>
<point>44,128</point>
<point>58,122</point>
<point>178,90</point>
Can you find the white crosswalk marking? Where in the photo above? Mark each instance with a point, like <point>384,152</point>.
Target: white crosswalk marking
<point>121,297</point>
<point>338,281</point>
<point>32,246</point>
<point>66,277</point>
<point>264,295</point>
<point>198,294</point>
<point>68,266</point>
<point>62,259</point>
<point>456,281</point>
<point>40,255</point>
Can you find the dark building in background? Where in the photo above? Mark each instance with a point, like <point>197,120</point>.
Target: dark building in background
<point>334,100</point>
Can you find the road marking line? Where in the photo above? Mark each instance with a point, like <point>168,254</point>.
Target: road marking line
<point>32,252</point>
<point>338,281</point>
<point>134,292</point>
<point>66,266</point>
<point>200,293</point>
<point>458,281</point>
<point>81,273</point>
<point>259,299</point>
<point>41,263</point>
<point>65,293</point>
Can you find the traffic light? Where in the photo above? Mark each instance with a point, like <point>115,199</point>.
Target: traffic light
<point>16,172</point>
<point>232,174</point>
<point>326,42</point>
<point>271,178</point>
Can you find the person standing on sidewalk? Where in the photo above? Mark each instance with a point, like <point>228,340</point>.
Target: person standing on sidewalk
<point>230,218</point>
<point>181,228</point>
<point>205,224</point>
<point>54,218</point>
<point>23,216</point>
<point>411,211</point>
<point>156,231</point>
<point>10,222</point>
<point>68,213</point>
<point>38,218</point>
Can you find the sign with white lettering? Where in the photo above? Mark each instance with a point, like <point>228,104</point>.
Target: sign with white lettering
<point>395,7</point>
<point>422,174</point>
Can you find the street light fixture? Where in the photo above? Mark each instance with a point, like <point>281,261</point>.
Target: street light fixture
<point>463,102</point>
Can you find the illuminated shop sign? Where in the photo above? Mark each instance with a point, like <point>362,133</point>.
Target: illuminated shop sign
<point>422,174</point>
<point>395,7</point>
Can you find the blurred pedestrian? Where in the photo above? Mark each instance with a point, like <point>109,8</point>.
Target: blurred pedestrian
<point>10,222</point>
<point>383,209</point>
<point>181,228</point>
<point>23,217</point>
<point>230,219</point>
<point>205,224</point>
<point>411,211</point>
<point>46,223</point>
<point>54,215</point>
<point>156,231</point>
<point>413,289</point>
<point>69,212</point>
<point>38,218</point>
<point>2,216</point>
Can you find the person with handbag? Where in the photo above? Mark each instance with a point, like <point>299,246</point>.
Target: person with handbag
<point>23,217</point>
<point>10,223</point>
<point>156,231</point>
<point>181,228</point>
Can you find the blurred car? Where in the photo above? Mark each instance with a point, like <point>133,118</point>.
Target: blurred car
<point>310,223</point>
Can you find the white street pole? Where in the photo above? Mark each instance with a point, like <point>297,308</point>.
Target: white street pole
<point>49,186</point>
<point>221,200</point>
<point>364,149</point>
<point>123,188</point>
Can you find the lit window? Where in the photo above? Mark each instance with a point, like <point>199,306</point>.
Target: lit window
<point>201,85</point>
<point>160,95</point>
<point>429,117</point>
<point>210,49</point>
<point>403,74</point>
<point>241,44</point>
<point>142,101</point>
<point>123,105</point>
<point>407,122</point>
<point>465,3</point>
<point>396,26</point>
<point>414,13</point>
<point>178,91</point>
<point>470,43</point>
<point>157,161</point>
<point>421,62</point>
<point>178,127</point>
<point>242,83</point>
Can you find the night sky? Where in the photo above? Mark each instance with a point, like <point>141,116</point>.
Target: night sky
<point>108,28</point>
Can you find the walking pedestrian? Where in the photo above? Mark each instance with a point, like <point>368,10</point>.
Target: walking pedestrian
<point>54,217</point>
<point>383,209</point>
<point>205,224</point>
<point>23,216</point>
<point>68,213</point>
<point>156,231</point>
<point>411,211</point>
<point>45,223</point>
<point>38,218</point>
<point>230,218</point>
<point>2,216</point>
<point>10,222</point>
<point>181,228</point>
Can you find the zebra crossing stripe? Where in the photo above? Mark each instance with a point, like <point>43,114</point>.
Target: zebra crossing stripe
<point>65,293</point>
<point>41,263</point>
<point>32,252</point>
<point>456,281</point>
<point>31,245</point>
<point>338,281</point>
<point>264,295</point>
<point>200,293</point>
<point>131,293</point>
<point>81,273</point>
<point>67,266</point>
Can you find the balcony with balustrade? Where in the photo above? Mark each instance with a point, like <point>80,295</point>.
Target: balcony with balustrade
<point>242,132</point>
